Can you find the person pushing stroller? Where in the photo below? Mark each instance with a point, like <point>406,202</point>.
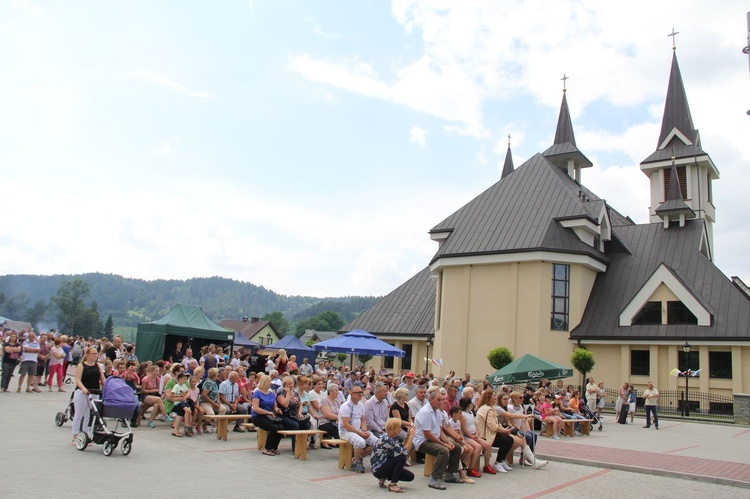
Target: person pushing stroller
<point>89,376</point>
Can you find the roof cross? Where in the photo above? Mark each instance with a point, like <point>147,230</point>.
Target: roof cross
<point>673,34</point>
<point>565,77</point>
<point>508,140</point>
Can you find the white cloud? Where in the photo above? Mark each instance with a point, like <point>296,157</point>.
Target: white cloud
<point>476,51</point>
<point>289,247</point>
<point>33,9</point>
<point>163,81</point>
<point>418,136</point>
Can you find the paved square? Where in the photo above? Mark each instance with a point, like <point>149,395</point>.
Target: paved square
<point>42,461</point>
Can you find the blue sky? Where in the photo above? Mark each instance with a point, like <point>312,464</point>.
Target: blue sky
<point>309,146</point>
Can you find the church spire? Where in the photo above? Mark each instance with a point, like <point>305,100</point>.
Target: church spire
<point>508,165</point>
<point>564,153</point>
<point>677,117</point>
<point>564,132</point>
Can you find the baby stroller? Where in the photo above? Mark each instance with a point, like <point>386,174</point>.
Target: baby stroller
<point>119,403</point>
<point>67,414</point>
<point>589,414</point>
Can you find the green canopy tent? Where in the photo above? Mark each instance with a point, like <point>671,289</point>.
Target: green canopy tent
<point>529,368</point>
<point>186,321</point>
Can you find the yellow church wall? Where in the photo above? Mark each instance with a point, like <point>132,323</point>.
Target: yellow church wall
<point>613,367</point>
<point>663,293</point>
<point>482,307</point>
<point>486,306</point>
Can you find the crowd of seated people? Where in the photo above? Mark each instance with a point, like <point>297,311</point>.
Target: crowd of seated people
<point>455,419</point>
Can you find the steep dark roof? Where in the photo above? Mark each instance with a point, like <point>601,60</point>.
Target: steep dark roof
<point>676,115</point>
<point>407,310</point>
<point>564,146</point>
<point>518,214</point>
<point>508,165</point>
<point>676,108</point>
<point>564,131</point>
<point>679,249</point>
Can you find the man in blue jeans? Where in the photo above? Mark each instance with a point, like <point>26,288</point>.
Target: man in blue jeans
<point>651,397</point>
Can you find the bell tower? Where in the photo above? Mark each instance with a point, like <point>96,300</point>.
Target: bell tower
<point>679,160</point>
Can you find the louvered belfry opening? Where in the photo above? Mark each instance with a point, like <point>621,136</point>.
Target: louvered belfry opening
<point>681,176</point>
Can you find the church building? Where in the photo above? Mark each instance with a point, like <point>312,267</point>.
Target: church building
<point>540,264</point>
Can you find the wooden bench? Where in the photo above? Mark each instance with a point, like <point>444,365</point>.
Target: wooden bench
<point>223,423</point>
<point>300,441</point>
<point>248,426</point>
<point>429,464</point>
<point>346,452</point>
<point>262,436</point>
<point>569,427</point>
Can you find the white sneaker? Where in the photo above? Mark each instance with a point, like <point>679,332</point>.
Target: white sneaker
<point>499,467</point>
<point>540,463</point>
<point>505,465</point>
<point>556,437</point>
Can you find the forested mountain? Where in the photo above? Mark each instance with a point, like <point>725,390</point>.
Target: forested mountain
<point>130,301</point>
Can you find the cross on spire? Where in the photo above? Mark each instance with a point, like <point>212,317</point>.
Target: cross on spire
<point>673,34</point>
<point>565,77</point>
<point>508,140</point>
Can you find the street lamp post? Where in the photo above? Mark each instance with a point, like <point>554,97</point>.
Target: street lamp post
<point>427,360</point>
<point>268,338</point>
<point>686,406</point>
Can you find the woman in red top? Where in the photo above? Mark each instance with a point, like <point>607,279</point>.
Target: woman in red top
<point>281,362</point>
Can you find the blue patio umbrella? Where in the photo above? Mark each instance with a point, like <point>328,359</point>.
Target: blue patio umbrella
<point>359,342</point>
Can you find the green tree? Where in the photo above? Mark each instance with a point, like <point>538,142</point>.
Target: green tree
<point>109,327</point>
<point>16,306</point>
<point>341,357</point>
<point>70,304</point>
<point>314,323</point>
<point>500,357</point>
<point>583,361</point>
<point>89,323</point>
<point>279,322</point>
<point>364,359</point>
<point>36,313</point>
<point>334,320</point>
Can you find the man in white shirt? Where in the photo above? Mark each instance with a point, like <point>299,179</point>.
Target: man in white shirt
<point>305,369</point>
<point>431,439</point>
<point>187,358</point>
<point>651,397</point>
<point>353,427</point>
<point>30,352</point>
<point>415,404</point>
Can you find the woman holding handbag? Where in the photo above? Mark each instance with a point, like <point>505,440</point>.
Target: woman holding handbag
<point>290,403</point>
<point>265,415</point>
<point>490,430</point>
